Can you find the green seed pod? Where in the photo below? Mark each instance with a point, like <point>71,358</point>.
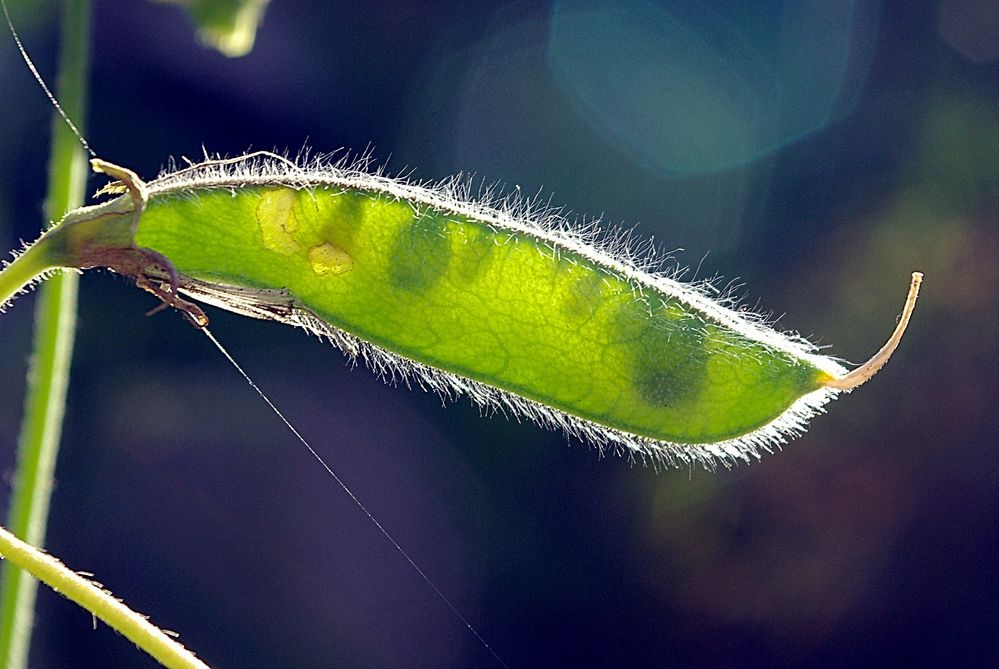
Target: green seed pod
<point>511,305</point>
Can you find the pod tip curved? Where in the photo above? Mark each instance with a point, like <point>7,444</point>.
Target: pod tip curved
<point>865,372</point>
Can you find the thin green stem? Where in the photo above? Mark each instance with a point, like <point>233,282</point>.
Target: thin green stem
<point>21,271</point>
<point>45,403</point>
<point>95,599</point>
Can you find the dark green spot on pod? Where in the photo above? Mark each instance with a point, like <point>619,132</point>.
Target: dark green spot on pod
<point>670,356</point>
<point>421,253</point>
<point>585,295</point>
<point>668,380</point>
<point>342,217</point>
<point>475,244</point>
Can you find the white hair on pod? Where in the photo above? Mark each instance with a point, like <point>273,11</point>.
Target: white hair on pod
<point>619,252</point>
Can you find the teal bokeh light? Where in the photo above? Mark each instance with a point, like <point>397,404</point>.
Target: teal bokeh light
<point>691,88</point>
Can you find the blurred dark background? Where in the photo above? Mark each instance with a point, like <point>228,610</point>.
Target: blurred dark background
<point>814,152</point>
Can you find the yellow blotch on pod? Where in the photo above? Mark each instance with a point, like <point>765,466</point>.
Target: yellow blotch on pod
<point>277,221</point>
<point>327,258</point>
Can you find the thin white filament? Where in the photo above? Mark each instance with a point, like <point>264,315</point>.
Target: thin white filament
<point>41,82</point>
<point>353,497</point>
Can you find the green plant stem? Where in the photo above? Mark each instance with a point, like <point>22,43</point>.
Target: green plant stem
<point>21,271</point>
<point>48,378</point>
<point>95,599</point>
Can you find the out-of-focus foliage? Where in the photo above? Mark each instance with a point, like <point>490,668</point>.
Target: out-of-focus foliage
<point>28,13</point>
<point>227,25</point>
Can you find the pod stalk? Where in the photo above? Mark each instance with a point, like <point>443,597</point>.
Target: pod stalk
<point>24,269</point>
<point>865,372</point>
